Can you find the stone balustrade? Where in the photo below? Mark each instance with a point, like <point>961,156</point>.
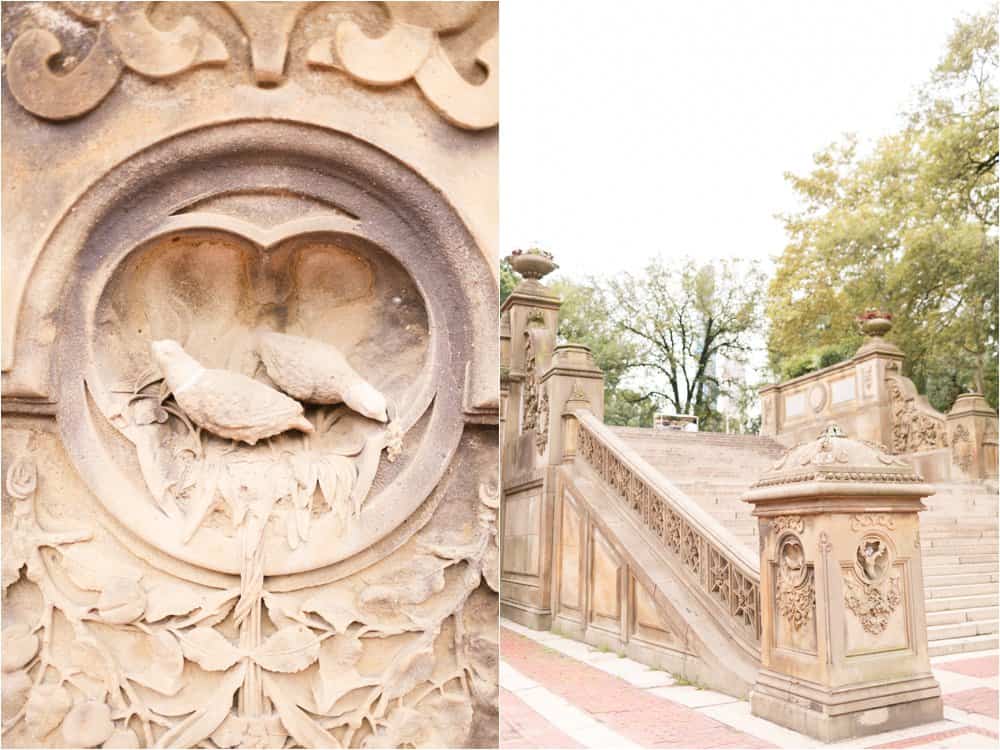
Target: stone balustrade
<point>714,562</point>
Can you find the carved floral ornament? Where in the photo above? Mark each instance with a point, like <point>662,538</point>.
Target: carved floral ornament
<point>873,592</point>
<point>914,426</point>
<point>795,589</point>
<point>128,38</point>
<point>157,662</point>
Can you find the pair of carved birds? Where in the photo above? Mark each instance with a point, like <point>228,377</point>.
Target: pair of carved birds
<point>234,406</point>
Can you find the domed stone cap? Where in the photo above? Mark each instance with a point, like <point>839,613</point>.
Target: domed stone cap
<point>834,464</point>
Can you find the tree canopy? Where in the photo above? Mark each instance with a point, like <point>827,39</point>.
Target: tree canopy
<point>661,335</point>
<point>910,227</point>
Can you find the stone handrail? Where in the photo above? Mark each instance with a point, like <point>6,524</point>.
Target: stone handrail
<point>714,562</point>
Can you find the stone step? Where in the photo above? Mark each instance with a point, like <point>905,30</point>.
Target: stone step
<point>936,567</point>
<point>968,589</point>
<point>980,547</point>
<point>962,645</point>
<point>961,602</point>
<point>961,559</point>
<point>961,630</point>
<point>949,579</point>
<point>974,614</point>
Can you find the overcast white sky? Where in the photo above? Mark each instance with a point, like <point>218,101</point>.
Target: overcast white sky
<point>635,128</point>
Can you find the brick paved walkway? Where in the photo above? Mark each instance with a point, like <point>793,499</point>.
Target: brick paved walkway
<point>558,693</point>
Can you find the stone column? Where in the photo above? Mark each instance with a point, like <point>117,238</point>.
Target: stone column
<point>972,434</point>
<point>844,634</point>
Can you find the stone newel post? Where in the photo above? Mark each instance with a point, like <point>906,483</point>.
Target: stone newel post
<point>844,634</point>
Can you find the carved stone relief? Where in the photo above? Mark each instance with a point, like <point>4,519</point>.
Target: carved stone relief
<point>250,491</point>
<point>962,448</point>
<point>913,428</point>
<point>873,593</point>
<point>795,590</point>
<point>129,38</point>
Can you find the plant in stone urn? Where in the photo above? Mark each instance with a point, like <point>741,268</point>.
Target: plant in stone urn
<point>873,322</point>
<point>532,263</point>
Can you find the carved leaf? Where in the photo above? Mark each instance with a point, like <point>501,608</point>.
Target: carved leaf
<point>166,599</point>
<point>19,647</point>
<point>122,600</point>
<point>337,675</point>
<point>437,721</point>
<point>481,656</point>
<point>305,731</point>
<point>337,607</point>
<point>413,666</point>
<point>88,724</point>
<point>209,649</point>
<point>164,671</point>
<point>91,570</point>
<point>204,499</point>
<point>215,609</point>
<point>16,687</point>
<point>88,658</point>
<point>291,649</point>
<point>418,581</point>
<point>204,721</point>
<point>367,465</point>
<point>47,707</point>
<point>491,565</point>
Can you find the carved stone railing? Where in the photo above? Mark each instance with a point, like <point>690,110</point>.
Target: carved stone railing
<point>724,572</point>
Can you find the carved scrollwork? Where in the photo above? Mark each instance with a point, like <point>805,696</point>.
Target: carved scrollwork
<point>128,40</point>
<point>412,50</point>
<point>781,524</point>
<point>125,39</point>
<point>861,521</point>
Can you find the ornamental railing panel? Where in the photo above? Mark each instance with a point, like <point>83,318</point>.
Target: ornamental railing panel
<point>717,565</point>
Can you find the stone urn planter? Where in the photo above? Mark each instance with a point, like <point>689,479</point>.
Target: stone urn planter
<point>875,323</point>
<point>532,264</point>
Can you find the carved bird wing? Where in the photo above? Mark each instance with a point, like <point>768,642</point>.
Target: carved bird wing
<point>305,368</point>
<point>234,401</point>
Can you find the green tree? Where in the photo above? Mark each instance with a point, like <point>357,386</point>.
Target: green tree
<point>910,227</point>
<point>584,319</point>
<point>677,322</point>
<point>508,280</point>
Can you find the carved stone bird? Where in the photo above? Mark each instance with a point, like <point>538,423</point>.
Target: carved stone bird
<point>226,403</point>
<point>317,373</point>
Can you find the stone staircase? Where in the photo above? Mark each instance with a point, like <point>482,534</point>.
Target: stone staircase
<point>958,531</point>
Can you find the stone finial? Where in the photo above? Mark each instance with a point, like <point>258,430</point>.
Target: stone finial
<point>532,263</point>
